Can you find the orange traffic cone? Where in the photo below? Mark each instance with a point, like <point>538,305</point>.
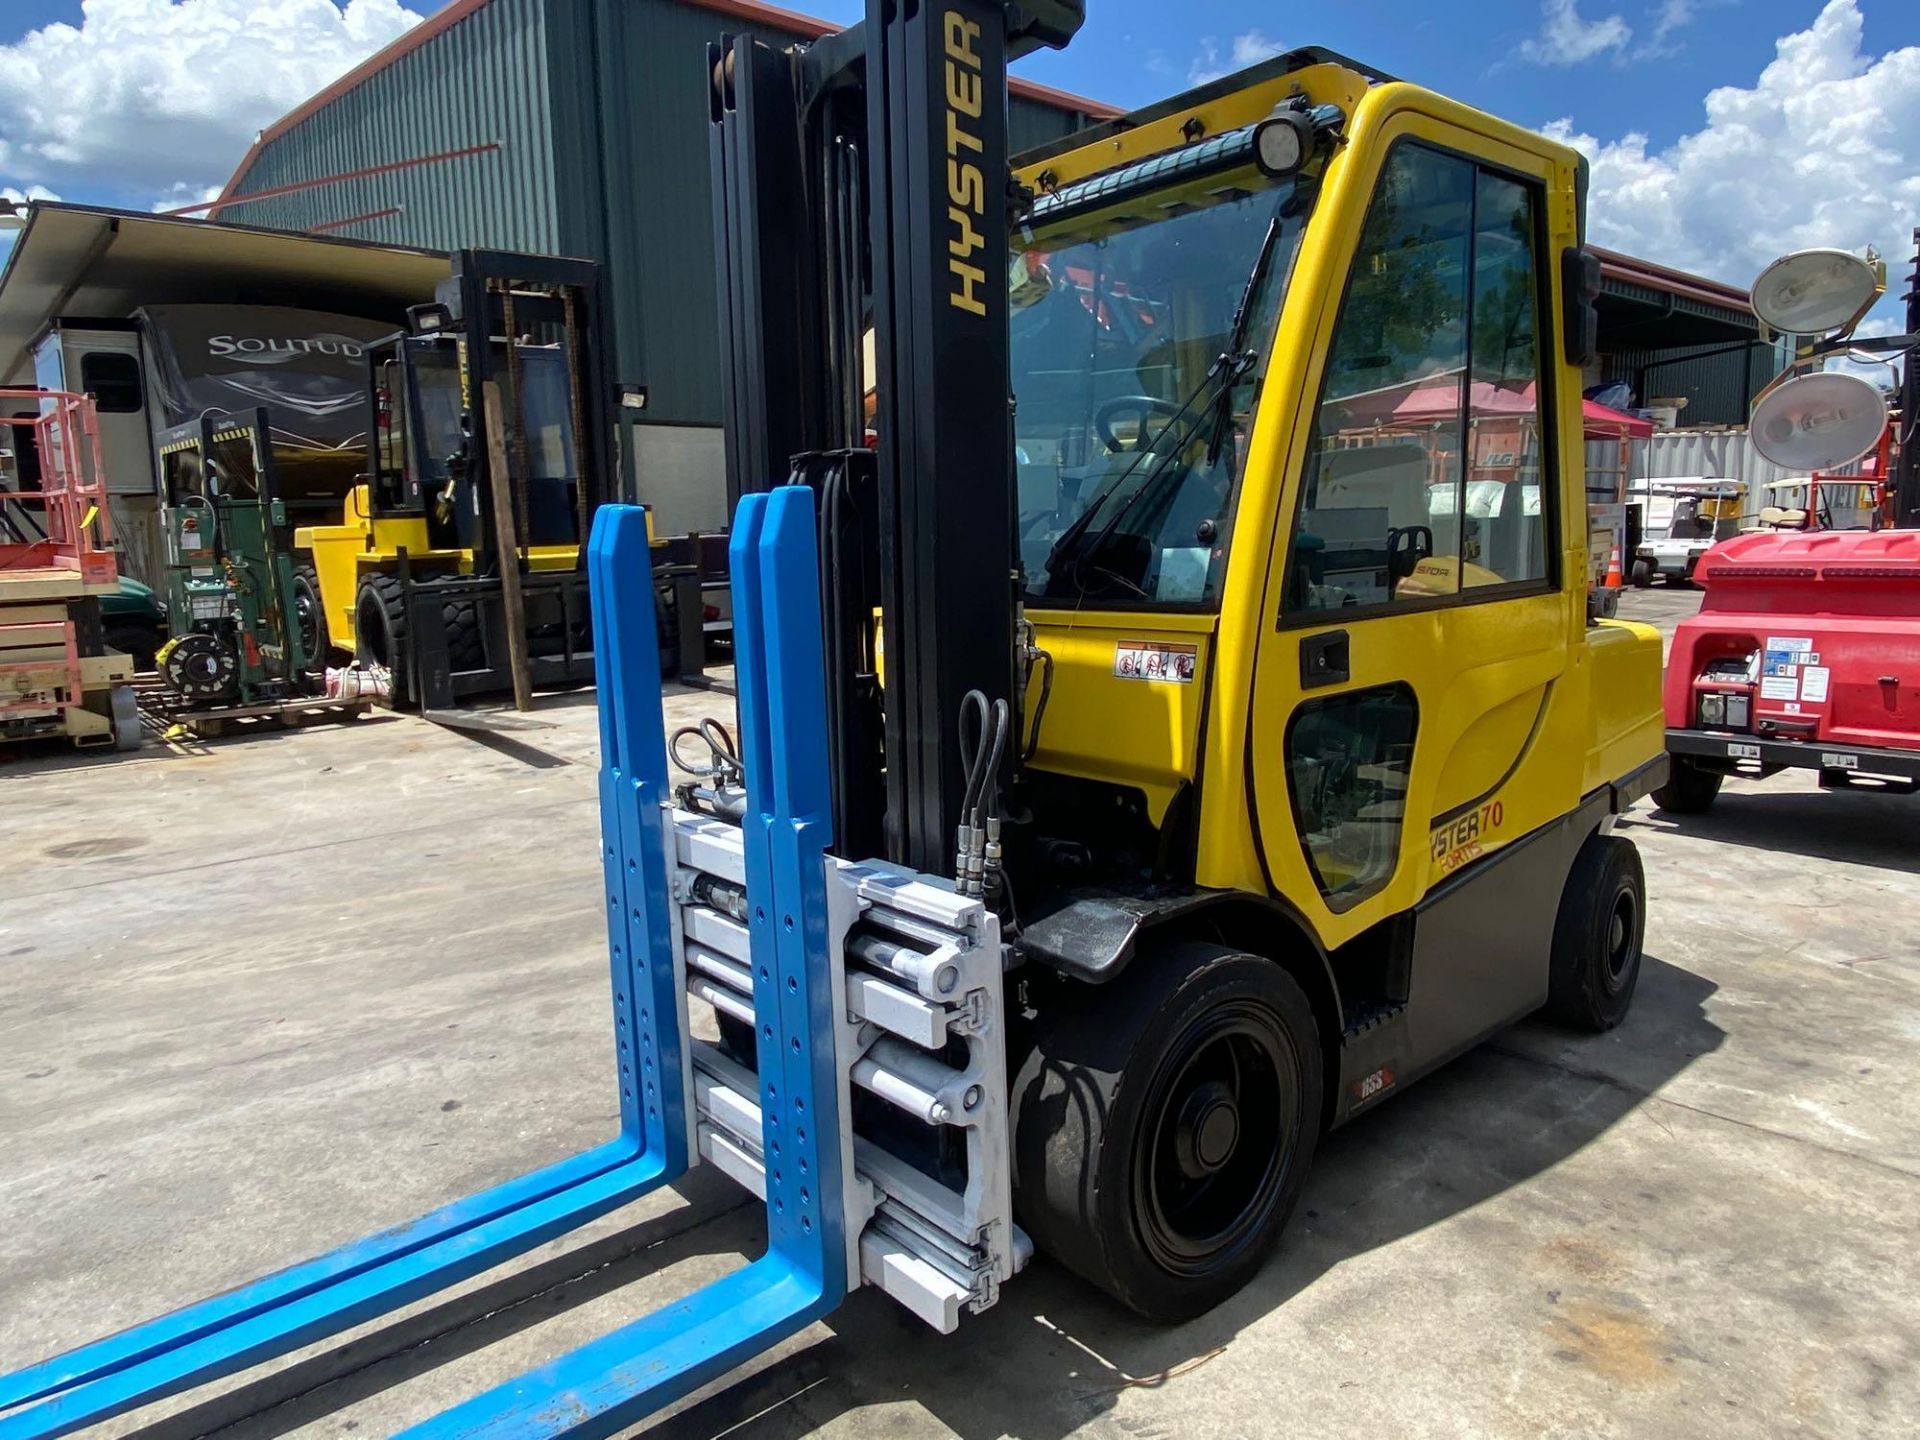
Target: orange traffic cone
<point>1614,578</point>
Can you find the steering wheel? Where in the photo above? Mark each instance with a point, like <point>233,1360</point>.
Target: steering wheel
<point>1142,406</point>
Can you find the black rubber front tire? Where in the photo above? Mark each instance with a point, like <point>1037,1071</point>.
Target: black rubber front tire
<point>1642,574</point>
<point>1689,789</point>
<point>1597,935</point>
<point>310,617</point>
<point>380,631</point>
<point>466,650</point>
<point>666,628</point>
<point>1164,1124</point>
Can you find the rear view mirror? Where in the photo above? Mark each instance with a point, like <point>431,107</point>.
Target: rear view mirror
<point>1579,289</point>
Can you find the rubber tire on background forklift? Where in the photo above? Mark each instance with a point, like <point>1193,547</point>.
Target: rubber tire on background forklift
<point>380,631</point>
<point>1112,1081</point>
<point>1643,574</point>
<point>1597,935</point>
<point>666,629</point>
<point>465,649</point>
<point>1689,790</point>
<point>306,601</point>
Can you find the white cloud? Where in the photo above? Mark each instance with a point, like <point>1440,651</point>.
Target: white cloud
<point>1566,39</point>
<point>179,195</point>
<point>145,94</point>
<point>1822,149</point>
<point>1253,47</point>
<point>1673,15</point>
<point>1246,49</point>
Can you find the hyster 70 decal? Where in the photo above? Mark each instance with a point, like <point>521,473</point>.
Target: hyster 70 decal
<point>1462,838</point>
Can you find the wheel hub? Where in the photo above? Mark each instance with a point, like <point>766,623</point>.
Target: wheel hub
<point>1208,1129</point>
<point>1620,926</point>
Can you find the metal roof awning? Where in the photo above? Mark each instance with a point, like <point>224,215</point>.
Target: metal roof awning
<point>1643,305</point>
<point>83,260</point>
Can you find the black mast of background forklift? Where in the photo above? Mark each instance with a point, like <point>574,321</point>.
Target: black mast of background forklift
<point>1906,471</point>
<point>510,310</point>
<point>863,182</point>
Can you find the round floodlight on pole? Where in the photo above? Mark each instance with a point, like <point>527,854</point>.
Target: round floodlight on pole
<point>1813,291</point>
<point>1818,422</point>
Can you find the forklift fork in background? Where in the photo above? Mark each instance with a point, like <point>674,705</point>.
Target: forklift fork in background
<point>625,1375</point>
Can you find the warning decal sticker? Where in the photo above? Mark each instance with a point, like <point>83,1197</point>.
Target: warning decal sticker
<point>1154,660</point>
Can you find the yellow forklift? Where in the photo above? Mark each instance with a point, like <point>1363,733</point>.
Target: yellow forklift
<point>490,450</point>
<point>1234,764</point>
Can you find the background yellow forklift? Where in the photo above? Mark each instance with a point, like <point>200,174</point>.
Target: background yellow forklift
<point>489,453</point>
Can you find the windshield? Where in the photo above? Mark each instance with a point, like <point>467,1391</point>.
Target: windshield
<point>439,408</point>
<point>1130,422</point>
<point>546,411</point>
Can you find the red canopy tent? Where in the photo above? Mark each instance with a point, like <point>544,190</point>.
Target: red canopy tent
<point>1432,402</point>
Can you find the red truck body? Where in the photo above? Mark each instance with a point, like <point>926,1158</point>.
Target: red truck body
<point>1805,653</point>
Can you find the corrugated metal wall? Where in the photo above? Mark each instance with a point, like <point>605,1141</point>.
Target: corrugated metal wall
<point>652,87</point>
<point>1717,387</point>
<point>659,222</point>
<point>600,109</point>
<point>485,81</point>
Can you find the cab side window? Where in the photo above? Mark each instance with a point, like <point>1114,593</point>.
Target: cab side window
<point>1423,480</point>
<point>1505,506</point>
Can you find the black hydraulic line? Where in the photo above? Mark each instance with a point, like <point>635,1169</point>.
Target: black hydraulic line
<point>1044,661</point>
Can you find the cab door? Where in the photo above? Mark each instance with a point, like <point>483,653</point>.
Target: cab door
<point>1417,623</point>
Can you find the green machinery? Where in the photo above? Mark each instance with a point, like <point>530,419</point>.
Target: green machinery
<point>231,605</point>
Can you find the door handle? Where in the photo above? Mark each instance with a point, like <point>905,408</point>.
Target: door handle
<point>1325,660</point>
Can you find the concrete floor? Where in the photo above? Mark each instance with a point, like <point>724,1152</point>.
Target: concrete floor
<point>261,997</point>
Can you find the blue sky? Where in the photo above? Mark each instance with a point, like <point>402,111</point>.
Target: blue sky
<point>1812,134</point>
<point>1134,51</point>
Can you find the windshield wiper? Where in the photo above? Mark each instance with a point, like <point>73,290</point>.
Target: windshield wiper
<point>1068,546</point>
<point>1227,368</point>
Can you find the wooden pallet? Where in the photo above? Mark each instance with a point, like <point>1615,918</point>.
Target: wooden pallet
<point>167,709</point>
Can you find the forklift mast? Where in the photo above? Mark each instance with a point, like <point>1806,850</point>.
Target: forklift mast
<point>863,183</point>
<point>1906,465</point>
<point>533,327</point>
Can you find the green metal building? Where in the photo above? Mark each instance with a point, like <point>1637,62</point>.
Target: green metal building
<point>579,127</point>
<point>570,127</point>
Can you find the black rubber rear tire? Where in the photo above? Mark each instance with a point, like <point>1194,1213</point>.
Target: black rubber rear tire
<point>310,616</point>
<point>1689,790</point>
<point>1597,935</point>
<point>380,631</point>
<point>1124,1169</point>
